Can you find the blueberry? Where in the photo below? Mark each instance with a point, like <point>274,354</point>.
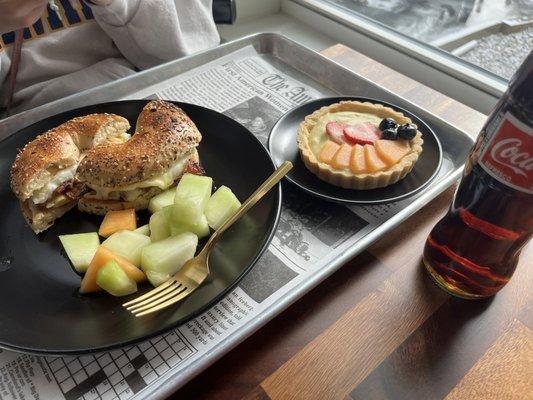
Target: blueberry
<point>387,123</point>
<point>389,134</point>
<point>407,131</point>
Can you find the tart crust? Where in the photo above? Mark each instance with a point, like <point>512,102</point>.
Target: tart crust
<point>346,178</point>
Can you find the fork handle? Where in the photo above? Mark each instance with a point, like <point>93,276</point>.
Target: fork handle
<point>271,181</point>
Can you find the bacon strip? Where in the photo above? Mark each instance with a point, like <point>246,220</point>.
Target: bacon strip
<point>194,167</point>
<point>72,188</point>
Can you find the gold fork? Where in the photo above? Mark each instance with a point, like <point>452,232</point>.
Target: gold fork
<point>196,270</point>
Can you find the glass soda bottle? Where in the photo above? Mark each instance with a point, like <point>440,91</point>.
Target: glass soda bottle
<point>473,251</point>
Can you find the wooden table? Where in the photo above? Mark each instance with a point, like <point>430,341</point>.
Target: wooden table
<point>379,328</point>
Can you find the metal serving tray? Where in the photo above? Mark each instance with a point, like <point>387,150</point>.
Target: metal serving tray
<point>320,73</point>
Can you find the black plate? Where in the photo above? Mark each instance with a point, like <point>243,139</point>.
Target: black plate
<point>41,310</point>
<point>282,145</point>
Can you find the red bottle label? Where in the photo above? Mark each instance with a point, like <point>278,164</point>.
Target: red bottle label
<point>507,154</point>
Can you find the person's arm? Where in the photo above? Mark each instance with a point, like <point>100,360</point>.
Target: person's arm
<point>148,32</point>
<point>15,14</point>
<point>3,75</point>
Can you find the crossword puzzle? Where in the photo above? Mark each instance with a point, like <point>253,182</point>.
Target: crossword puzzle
<point>119,374</point>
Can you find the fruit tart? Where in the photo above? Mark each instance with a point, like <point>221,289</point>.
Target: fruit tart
<point>359,145</point>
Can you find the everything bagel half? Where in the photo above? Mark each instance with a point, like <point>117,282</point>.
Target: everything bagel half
<point>127,175</point>
<point>43,174</point>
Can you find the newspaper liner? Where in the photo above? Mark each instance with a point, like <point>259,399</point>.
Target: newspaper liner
<point>311,233</point>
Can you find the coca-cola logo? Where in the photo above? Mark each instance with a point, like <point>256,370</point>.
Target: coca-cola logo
<point>507,154</point>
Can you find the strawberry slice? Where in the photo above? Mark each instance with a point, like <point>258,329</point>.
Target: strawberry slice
<point>363,133</point>
<point>335,130</point>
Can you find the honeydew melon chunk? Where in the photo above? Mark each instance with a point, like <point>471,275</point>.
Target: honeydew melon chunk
<point>160,224</point>
<point>143,230</point>
<point>200,228</point>
<point>127,244</point>
<point>166,198</point>
<point>192,194</point>
<point>222,205</point>
<point>80,248</point>
<point>161,260</point>
<point>157,278</point>
<point>114,280</point>
<point>102,256</point>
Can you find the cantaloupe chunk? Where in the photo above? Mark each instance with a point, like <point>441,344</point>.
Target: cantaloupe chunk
<point>328,152</point>
<point>101,257</point>
<point>357,160</point>
<point>341,160</point>
<point>373,162</point>
<point>392,151</point>
<point>114,221</point>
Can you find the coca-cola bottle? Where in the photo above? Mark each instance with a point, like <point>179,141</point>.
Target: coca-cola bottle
<point>473,251</point>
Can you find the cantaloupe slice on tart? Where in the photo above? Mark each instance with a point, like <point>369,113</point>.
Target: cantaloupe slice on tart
<point>357,160</point>
<point>328,151</point>
<point>392,151</point>
<point>373,161</point>
<point>341,160</point>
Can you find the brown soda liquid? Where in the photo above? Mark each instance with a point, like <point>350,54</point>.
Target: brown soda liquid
<point>473,251</point>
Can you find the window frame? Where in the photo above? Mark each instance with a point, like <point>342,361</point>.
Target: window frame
<point>438,59</point>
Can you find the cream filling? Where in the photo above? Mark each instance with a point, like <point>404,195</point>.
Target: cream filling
<point>121,138</point>
<point>318,136</point>
<point>43,194</point>
<point>132,192</point>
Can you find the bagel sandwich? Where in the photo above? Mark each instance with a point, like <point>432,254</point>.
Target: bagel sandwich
<point>127,175</point>
<point>43,174</point>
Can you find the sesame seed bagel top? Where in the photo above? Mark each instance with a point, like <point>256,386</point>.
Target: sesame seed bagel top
<point>163,134</point>
<point>61,147</point>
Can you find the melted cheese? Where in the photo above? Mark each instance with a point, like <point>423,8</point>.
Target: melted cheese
<point>57,201</point>
<point>131,192</point>
<point>43,194</point>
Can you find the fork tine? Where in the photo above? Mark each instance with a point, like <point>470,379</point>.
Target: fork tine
<point>176,290</point>
<point>150,300</point>
<point>167,303</point>
<point>150,293</point>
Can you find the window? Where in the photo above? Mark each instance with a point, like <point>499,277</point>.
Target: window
<point>494,35</point>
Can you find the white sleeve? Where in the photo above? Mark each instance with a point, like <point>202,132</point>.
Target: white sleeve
<point>148,32</point>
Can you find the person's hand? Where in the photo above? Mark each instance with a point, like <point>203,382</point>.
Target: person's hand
<point>15,14</point>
